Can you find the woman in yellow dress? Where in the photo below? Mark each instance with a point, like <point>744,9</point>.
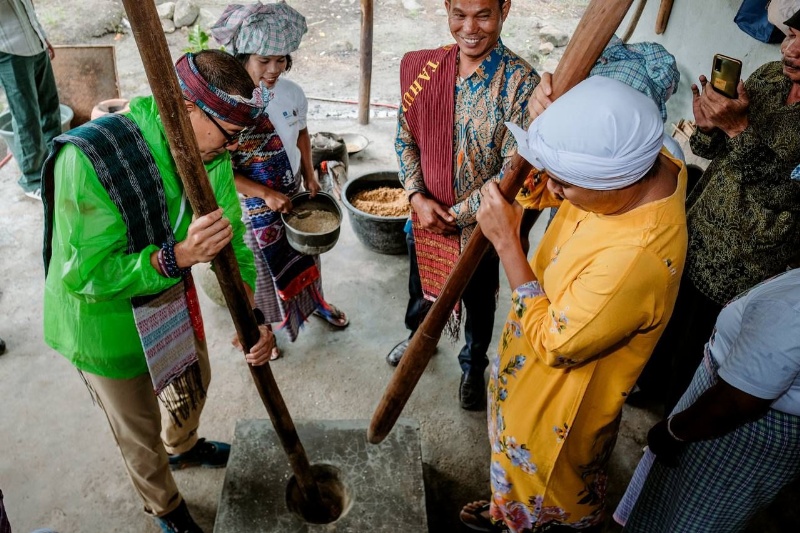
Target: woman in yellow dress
<point>586,311</point>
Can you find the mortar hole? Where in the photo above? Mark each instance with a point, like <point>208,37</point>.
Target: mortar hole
<point>336,497</point>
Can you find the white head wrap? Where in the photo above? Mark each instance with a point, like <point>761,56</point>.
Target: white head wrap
<point>600,135</point>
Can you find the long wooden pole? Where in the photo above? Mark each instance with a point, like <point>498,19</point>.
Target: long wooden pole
<point>365,50</point>
<point>637,14</point>
<point>160,72</point>
<point>601,19</point>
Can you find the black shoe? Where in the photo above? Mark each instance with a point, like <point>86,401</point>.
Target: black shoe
<point>206,453</point>
<point>178,521</point>
<point>397,352</point>
<point>2,346</point>
<point>472,392</point>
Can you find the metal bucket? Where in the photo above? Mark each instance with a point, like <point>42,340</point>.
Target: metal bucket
<point>381,234</point>
<point>7,129</point>
<point>313,243</point>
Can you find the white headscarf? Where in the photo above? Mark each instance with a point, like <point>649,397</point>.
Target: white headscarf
<point>601,135</point>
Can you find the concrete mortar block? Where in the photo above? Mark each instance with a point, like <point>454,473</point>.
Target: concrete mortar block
<point>384,481</point>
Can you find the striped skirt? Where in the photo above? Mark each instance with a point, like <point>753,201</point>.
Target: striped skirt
<point>267,299</point>
<point>721,483</point>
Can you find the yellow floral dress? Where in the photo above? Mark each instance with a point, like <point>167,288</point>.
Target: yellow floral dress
<point>572,348</point>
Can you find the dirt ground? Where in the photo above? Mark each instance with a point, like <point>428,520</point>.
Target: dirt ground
<point>58,464</point>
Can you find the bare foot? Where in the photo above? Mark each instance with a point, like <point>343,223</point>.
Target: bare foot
<point>475,515</point>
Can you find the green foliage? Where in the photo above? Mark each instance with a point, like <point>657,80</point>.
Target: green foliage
<point>198,39</point>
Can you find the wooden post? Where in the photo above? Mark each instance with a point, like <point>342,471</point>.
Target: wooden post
<point>664,11</point>
<point>160,71</point>
<point>365,50</point>
<point>600,20</point>
<point>637,14</point>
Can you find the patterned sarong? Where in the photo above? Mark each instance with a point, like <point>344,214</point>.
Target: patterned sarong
<point>167,322</point>
<point>720,483</point>
<point>262,159</point>
<point>428,101</point>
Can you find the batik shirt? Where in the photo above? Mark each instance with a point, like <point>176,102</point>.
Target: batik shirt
<point>744,215</point>
<point>497,92</point>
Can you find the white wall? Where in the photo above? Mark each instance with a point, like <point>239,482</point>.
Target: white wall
<point>697,30</point>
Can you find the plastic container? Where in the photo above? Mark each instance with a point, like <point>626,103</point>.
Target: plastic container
<point>7,130</point>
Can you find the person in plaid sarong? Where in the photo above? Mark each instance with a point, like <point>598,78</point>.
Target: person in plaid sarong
<point>733,441</point>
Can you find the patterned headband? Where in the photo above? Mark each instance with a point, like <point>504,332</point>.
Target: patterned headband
<point>234,109</point>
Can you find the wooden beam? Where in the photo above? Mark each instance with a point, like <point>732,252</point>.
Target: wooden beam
<point>365,50</point>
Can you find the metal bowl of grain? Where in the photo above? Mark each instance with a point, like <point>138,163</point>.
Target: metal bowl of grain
<point>312,227</point>
<point>378,209</point>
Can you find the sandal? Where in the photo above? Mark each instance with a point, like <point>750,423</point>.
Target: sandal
<point>332,315</point>
<point>475,515</point>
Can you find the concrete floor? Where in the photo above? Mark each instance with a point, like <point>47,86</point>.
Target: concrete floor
<point>58,464</point>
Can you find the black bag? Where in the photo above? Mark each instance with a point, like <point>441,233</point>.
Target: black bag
<point>752,19</point>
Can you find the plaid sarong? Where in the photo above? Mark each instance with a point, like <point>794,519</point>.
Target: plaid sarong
<point>720,483</point>
<point>169,321</point>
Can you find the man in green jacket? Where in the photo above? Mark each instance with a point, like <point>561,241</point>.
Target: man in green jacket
<point>120,303</point>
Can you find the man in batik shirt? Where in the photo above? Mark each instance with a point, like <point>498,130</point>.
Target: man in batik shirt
<point>451,139</point>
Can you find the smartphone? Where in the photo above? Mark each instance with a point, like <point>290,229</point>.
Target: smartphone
<point>725,75</point>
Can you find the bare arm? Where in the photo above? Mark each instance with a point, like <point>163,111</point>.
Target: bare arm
<point>310,180</point>
<point>500,222</point>
<point>275,200</point>
<point>718,411</point>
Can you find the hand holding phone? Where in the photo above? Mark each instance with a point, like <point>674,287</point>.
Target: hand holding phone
<point>724,108</point>
<point>725,74</point>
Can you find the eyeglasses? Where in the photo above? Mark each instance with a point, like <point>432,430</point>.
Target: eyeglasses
<point>230,138</point>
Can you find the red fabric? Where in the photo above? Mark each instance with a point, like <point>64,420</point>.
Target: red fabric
<point>428,80</point>
<point>213,100</point>
<point>429,106</point>
<point>193,304</point>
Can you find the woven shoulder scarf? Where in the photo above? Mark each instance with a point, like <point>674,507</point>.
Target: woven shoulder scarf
<point>262,158</point>
<point>167,322</point>
<point>427,78</point>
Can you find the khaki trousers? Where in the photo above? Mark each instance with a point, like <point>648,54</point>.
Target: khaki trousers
<point>146,433</point>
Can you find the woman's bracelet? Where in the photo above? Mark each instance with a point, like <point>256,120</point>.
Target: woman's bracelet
<point>170,263</point>
<point>671,433</point>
